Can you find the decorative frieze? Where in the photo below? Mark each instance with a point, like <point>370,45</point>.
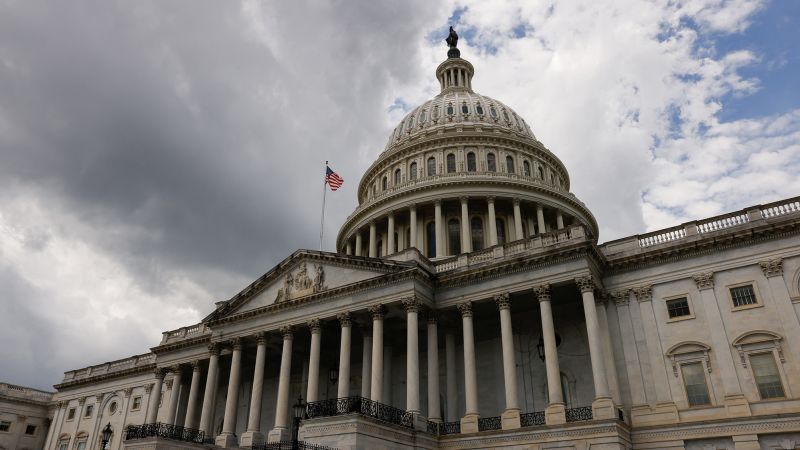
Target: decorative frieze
<point>344,319</point>
<point>503,301</point>
<point>643,293</point>
<point>315,326</point>
<point>772,267</point>
<point>377,312</point>
<point>542,292</point>
<point>411,304</point>
<point>704,280</point>
<point>585,283</point>
<point>465,309</point>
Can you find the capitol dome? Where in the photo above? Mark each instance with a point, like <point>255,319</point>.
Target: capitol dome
<point>454,165</point>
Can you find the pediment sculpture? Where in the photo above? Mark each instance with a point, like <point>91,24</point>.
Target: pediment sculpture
<point>300,284</point>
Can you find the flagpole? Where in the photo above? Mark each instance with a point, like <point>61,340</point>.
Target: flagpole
<point>322,219</point>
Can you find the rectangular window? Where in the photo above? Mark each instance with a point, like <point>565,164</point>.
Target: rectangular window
<point>63,445</point>
<point>5,425</point>
<point>71,414</point>
<point>694,379</point>
<point>137,403</point>
<point>88,411</point>
<point>30,430</point>
<point>678,307</point>
<point>743,296</point>
<point>766,374</point>
<point>81,446</point>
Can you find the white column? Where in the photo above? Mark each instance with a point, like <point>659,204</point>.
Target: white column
<point>511,416</point>
<point>228,437</point>
<point>492,226</point>
<point>466,237</point>
<point>517,220</point>
<point>194,389</point>
<point>438,225</point>
<point>413,224</point>
<point>343,389</point>
<point>366,365</point>
<point>373,240</point>
<point>312,393</point>
<point>210,394</point>
<point>608,351</point>
<point>359,244</point>
<point>175,397</point>
<point>450,376</point>
<point>390,238</point>
<point>554,414</point>
<point>253,435</point>
<point>602,406</point>
<point>281,430</point>
<point>632,364</point>
<point>348,250</point>
<point>433,369</point>
<point>559,220</point>
<point>155,396</point>
<point>412,354</point>
<point>540,219</point>
<point>376,393</point>
<point>469,423</point>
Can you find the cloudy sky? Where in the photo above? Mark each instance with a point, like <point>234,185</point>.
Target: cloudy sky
<point>157,156</point>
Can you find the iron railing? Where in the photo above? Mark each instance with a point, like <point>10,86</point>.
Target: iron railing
<point>531,419</point>
<point>579,414</point>
<point>363,406</point>
<point>291,445</point>
<point>166,431</point>
<point>489,423</point>
<point>449,428</point>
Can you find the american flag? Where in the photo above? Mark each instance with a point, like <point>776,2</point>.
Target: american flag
<point>333,179</point>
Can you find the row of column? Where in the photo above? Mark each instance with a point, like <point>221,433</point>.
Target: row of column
<point>466,235</point>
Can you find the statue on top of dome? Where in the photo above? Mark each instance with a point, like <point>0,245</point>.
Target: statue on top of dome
<point>452,42</point>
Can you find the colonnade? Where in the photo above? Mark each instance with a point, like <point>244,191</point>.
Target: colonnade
<point>520,226</point>
<point>373,370</point>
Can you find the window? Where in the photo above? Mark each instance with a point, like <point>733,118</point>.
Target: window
<point>423,116</point>
<point>678,307</point>
<point>471,167</point>
<point>136,403</point>
<point>505,115</point>
<point>436,112</point>
<point>451,163</point>
<point>743,296</point>
<point>479,109</point>
<point>493,111</point>
<point>431,166</point>
<point>491,163</point>
<point>112,408</point>
<point>397,176</point>
<point>412,171</point>
<point>384,183</point>
<point>5,426</point>
<point>501,231</point>
<point>30,430</point>
<point>63,444</point>
<point>454,236</point>
<point>430,230</point>
<point>694,379</point>
<point>477,234</point>
<point>450,109</point>
<point>88,411</point>
<point>464,108</point>
<point>509,164</point>
<point>380,248</point>
<point>526,168</point>
<point>766,375</point>
<point>71,414</point>
<point>81,445</point>
<point>410,124</point>
<point>541,173</point>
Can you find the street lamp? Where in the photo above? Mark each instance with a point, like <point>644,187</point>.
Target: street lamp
<point>107,431</point>
<point>299,415</point>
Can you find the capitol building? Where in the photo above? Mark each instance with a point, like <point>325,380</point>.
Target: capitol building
<point>469,305</point>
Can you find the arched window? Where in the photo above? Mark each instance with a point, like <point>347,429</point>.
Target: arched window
<point>509,164</point>
<point>526,168</point>
<point>385,183</point>
<point>423,116</point>
<point>412,171</point>
<point>454,236</point>
<point>471,166</point>
<point>451,163</point>
<point>431,166</point>
<point>430,231</point>
<point>491,163</point>
<point>541,173</point>
<point>477,234</point>
<point>397,176</point>
<point>501,231</point>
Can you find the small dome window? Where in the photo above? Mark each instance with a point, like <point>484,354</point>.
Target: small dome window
<point>385,183</point>
<point>412,171</point>
<point>436,112</point>
<point>505,116</point>
<point>493,111</point>
<point>451,163</point>
<point>397,177</point>
<point>526,168</point>
<point>450,109</point>
<point>491,162</point>
<point>541,173</point>
<point>510,164</point>
<point>423,116</point>
<point>464,108</point>
<point>479,109</point>
<point>410,123</point>
<point>471,166</point>
<point>431,166</point>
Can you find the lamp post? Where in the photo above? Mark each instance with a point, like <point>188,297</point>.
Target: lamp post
<point>107,431</point>
<point>299,414</point>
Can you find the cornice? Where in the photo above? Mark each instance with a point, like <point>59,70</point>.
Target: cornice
<point>27,401</point>
<point>544,434</point>
<point>725,427</point>
<point>107,376</point>
<point>177,345</point>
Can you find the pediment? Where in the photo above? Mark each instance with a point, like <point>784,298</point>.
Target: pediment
<point>756,337</point>
<point>303,274</point>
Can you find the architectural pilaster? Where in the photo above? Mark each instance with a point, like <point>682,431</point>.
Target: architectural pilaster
<point>540,218</point>
<point>492,225</point>
<point>228,437</point>
<point>175,397</point>
<point>434,406</point>
<point>359,244</point>
<point>210,394</point>
<point>518,234</point>
<point>602,406</point>
<point>253,435</point>
<point>559,220</point>
<point>608,349</point>
<point>155,396</point>
<point>466,236</point>
<point>632,365</point>
<point>376,392</point>
<point>191,405</point>
<point>411,305</point>
<point>773,272</point>
<point>438,224</point>
<point>555,412</point>
<point>511,415</point>
<point>96,412</point>
<point>312,393</point>
<point>469,423</point>
<point>346,325</point>
<point>281,430</point>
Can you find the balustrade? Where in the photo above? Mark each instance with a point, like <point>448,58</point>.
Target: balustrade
<point>579,414</point>
<point>489,423</point>
<point>165,431</point>
<point>532,419</point>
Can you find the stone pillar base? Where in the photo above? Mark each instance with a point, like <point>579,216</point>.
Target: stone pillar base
<point>510,420</point>
<point>603,408</point>
<point>226,440</point>
<point>663,413</point>
<point>420,422</point>
<point>746,442</point>
<point>250,438</point>
<point>737,406</point>
<point>555,414</point>
<point>279,434</point>
<point>469,424</point>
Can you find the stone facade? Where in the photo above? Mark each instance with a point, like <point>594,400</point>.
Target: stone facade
<point>469,305</point>
<point>24,417</point>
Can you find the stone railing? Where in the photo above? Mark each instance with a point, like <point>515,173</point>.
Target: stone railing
<point>164,431</point>
<point>535,244</point>
<point>24,393</point>
<point>184,333</point>
<point>110,367</point>
<point>705,226</point>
